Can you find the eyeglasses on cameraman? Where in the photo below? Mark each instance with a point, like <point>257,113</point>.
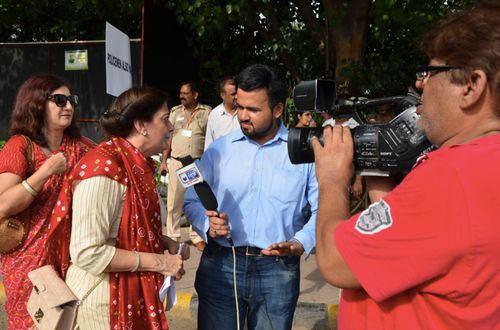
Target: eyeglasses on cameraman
<point>426,71</point>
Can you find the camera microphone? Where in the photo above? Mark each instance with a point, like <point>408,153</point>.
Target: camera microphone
<point>190,175</point>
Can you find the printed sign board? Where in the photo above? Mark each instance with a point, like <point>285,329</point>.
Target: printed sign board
<point>118,61</point>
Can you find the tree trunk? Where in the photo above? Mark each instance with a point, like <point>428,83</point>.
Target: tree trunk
<point>348,25</point>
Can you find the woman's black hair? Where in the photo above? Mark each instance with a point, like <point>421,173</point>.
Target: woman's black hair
<point>136,103</point>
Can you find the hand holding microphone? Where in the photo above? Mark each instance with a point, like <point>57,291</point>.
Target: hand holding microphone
<point>217,224</point>
<point>190,175</point>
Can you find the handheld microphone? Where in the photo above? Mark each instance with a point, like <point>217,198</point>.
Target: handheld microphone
<point>204,192</point>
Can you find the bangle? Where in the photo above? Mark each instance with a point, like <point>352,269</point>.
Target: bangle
<point>29,188</point>
<point>137,262</point>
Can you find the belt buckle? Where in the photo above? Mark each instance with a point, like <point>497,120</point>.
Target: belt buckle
<point>251,254</point>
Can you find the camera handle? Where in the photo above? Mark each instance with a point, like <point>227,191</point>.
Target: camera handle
<point>356,105</point>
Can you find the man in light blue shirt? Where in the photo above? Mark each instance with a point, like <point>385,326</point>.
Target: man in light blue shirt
<point>261,196</point>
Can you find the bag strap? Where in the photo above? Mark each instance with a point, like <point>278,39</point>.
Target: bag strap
<point>85,296</point>
<point>30,156</point>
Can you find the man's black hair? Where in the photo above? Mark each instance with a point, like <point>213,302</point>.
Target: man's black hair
<point>226,80</point>
<point>261,76</point>
<point>195,87</point>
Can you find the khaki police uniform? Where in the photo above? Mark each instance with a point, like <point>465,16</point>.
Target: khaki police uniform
<point>188,139</point>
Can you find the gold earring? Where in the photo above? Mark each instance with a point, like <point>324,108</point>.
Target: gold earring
<point>144,133</point>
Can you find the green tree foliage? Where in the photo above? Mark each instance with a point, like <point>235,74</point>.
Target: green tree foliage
<point>58,20</point>
<point>393,44</point>
<point>368,46</point>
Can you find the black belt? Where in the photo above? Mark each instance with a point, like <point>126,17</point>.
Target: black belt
<point>252,251</point>
<point>180,158</point>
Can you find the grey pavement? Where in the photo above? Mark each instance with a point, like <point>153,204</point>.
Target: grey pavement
<point>3,316</point>
<point>316,309</point>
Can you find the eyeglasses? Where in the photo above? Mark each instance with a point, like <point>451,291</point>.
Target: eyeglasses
<point>60,99</point>
<point>423,72</point>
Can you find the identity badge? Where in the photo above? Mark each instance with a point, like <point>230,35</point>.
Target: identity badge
<point>187,133</point>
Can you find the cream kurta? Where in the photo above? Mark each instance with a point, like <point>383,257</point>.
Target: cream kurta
<point>97,210</point>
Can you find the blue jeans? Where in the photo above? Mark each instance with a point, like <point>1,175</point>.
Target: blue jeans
<point>268,289</point>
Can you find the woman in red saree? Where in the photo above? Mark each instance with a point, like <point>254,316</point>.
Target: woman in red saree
<point>44,112</point>
<point>112,212</point>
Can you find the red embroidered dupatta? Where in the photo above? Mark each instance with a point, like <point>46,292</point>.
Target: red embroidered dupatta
<point>17,265</point>
<point>134,300</point>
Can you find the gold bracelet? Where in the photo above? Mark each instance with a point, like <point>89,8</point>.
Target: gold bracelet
<point>137,261</point>
<point>29,188</point>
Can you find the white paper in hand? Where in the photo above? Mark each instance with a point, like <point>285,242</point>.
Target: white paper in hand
<point>168,290</point>
<point>168,287</point>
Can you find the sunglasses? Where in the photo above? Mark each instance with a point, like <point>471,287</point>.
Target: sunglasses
<point>60,99</point>
<point>423,72</point>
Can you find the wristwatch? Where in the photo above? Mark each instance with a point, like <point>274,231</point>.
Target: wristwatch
<point>294,240</point>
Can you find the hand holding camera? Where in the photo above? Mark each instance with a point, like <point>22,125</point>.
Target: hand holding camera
<point>334,166</point>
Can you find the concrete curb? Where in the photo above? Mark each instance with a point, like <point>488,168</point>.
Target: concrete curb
<point>317,316</point>
<point>3,316</point>
<point>2,294</point>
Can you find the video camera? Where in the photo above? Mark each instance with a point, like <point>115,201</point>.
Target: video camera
<point>379,149</point>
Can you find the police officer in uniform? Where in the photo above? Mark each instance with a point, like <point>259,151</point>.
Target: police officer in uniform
<point>190,122</point>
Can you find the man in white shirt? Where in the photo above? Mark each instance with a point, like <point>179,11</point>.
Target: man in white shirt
<point>223,120</point>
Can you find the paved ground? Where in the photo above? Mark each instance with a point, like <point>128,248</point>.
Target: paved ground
<point>316,309</point>
<point>3,319</point>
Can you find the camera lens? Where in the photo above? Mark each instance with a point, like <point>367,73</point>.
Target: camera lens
<point>299,144</point>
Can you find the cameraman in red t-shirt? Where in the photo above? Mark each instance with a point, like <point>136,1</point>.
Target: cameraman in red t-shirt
<point>425,255</point>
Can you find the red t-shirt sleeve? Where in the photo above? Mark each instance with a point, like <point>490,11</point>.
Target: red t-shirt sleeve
<point>410,241</point>
<point>13,156</point>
